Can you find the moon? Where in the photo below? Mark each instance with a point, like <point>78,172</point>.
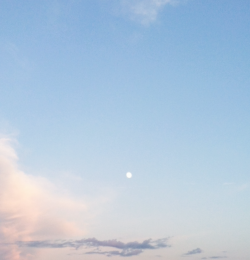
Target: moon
<point>129,175</point>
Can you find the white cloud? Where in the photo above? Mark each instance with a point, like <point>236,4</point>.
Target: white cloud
<point>145,11</point>
<point>32,208</point>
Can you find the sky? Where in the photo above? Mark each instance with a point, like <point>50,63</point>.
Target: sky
<point>92,90</point>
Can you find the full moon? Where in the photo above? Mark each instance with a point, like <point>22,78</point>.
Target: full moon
<point>129,175</point>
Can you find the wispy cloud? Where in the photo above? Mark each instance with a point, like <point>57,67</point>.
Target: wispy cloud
<point>124,249</point>
<point>193,252</point>
<point>145,11</point>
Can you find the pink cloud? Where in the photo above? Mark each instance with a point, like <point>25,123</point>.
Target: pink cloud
<point>31,208</point>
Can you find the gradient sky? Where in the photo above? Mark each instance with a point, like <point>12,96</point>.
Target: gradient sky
<point>92,89</point>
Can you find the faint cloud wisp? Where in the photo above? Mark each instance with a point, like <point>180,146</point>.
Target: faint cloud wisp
<point>145,11</point>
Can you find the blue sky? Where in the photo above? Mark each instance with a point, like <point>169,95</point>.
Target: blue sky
<point>90,90</point>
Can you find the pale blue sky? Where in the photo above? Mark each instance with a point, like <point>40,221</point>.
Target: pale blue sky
<point>93,89</point>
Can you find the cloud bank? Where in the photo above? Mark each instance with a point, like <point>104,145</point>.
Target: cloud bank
<point>124,249</point>
<point>31,208</point>
<point>145,11</point>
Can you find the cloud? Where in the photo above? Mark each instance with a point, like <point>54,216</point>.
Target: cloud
<point>193,252</point>
<point>124,249</point>
<point>214,257</point>
<point>217,257</point>
<point>34,210</point>
<point>145,11</point>
<point>123,253</point>
<point>31,208</point>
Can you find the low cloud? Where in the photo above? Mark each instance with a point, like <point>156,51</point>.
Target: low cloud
<point>193,252</point>
<point>145,11</point>
<point>124,249</point>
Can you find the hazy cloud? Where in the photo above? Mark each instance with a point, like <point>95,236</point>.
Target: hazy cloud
<point>125,249</point>
<point>145,11</point>
<point>193,252</point>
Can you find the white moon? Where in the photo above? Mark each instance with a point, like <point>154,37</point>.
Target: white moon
<point>129,175</point>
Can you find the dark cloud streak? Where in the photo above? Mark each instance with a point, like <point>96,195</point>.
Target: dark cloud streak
<point>193,252</point>
<point>125,249</point>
